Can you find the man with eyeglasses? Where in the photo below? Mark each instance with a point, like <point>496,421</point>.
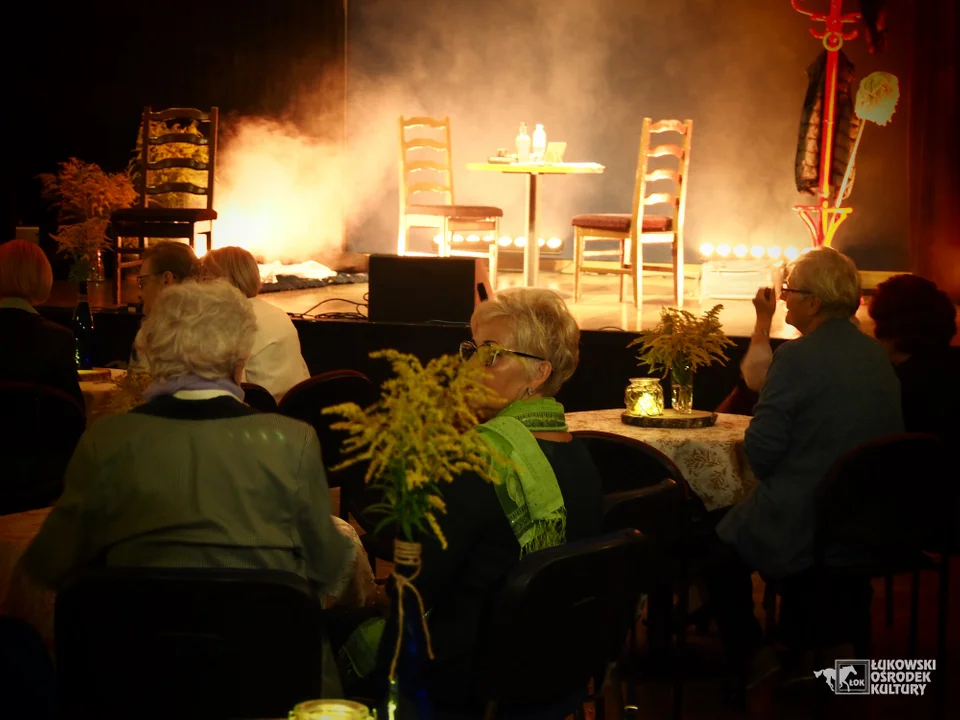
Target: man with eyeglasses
<point>165,264</point>
<point>825,393</point>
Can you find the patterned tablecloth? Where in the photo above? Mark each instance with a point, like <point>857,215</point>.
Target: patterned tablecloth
<point>97,395</point>
<point>711,459</point>
<point>20,597</point>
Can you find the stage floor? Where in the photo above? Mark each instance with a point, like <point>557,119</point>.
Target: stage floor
<point>599,307</point>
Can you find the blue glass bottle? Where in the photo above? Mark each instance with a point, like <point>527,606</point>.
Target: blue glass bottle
<point>407,696</point>
<point>83,331</point>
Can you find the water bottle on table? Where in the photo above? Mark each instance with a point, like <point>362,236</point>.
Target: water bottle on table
<point>539,143</point>
<point>523,145</point>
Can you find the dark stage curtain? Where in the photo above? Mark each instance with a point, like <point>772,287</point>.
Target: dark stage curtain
<point>934,151</point>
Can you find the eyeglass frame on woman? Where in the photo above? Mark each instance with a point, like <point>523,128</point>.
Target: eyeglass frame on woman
<point>472,348</point>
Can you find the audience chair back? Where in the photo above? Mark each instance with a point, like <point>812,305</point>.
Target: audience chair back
<point>41,428</point>
<point>306,402</point>
<point>626,464</point>
<point>561,617</point>
<point>258,397</point>
<point>886,500</point>
<point>187,643</point>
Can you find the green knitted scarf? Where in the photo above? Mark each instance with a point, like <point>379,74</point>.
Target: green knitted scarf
<point>528,491</point>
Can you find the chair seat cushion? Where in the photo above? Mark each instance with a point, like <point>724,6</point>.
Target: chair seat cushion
<point>621,222</point>
<point>455,211</point>
<point>161,214</point>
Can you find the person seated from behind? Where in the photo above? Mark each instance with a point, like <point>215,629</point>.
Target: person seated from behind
<point>275,362</point>
<point>194,477</point>
<point>165,264</point>
<point>527,341</point>
<point>33,350</point>
<point>915,322</point>
<point>825,393</point>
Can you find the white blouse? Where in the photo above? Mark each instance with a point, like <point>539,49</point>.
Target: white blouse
<point>275,362</point>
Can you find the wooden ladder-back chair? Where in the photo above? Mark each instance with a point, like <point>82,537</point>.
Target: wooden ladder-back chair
<point>418,142</point>
<point>169,151</point>
<point>641,228</point>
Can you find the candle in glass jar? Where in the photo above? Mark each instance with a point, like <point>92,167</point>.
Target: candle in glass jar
<point>644,397</point>
<point>330,710</point>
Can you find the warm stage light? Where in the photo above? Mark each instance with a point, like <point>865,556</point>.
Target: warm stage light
<point>706,249</point>
<point>505,241</point>
<point>473,238</point>
<point>757,251</point>
<point>437,238</point>
<point>554,243</point>
<point>740,251</point>
<point>791,253</point>
<point>520,242</point>
<point>723,249</point>
<point>773,251</point>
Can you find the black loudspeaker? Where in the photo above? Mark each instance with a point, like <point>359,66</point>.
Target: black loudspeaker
<point>425,289</point>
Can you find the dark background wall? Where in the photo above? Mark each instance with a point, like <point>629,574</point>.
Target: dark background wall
<point>588,71</point>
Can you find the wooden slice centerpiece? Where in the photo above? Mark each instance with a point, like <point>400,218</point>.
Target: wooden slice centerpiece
<point>95,375</point>
<point>671,420</point>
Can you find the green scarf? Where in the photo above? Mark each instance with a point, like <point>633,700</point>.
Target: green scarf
<point>528,492</point>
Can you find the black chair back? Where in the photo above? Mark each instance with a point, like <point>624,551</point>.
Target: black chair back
<point>41,428</point>
<point>561,617</point>
<point>656,511</point>
<point>626,464</point>
<point>307,400</point>
<point>187,643</point>
<point>893,496</point>
<point>258,397</point>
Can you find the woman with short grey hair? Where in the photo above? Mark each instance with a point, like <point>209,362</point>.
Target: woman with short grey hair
<point>194,477</point>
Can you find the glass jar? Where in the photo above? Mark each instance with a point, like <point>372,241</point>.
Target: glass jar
<point>644,397</point>
<point>681,387</point>
<point>330,710</point>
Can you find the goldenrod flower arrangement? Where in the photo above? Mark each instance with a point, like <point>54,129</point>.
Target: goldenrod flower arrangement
<point>419,435</point>
<point>86,197</point>
<point>681,338</point>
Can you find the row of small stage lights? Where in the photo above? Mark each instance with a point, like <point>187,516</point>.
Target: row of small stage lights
<point>774,252</point>
<point>553,243</point>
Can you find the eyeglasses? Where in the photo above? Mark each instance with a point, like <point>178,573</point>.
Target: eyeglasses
<point>488,352</point>
<point>785,289</point>
<point>140,279</point>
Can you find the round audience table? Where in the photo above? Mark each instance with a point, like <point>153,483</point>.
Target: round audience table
<point>711,459</point>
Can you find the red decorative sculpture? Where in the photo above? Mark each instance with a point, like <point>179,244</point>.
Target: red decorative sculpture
<point>821,219</point>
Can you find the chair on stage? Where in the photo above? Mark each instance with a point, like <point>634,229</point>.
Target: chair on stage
<point>420,153</point>
<point>173,155</point>
<point>633,231</point>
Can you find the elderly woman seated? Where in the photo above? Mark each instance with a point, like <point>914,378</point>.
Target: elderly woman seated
<point>275,361</point>
<point>528,342</point>
<point>193,477</point>
<point>35,350</point>
<point>915,322</point>
<point>825,393</point>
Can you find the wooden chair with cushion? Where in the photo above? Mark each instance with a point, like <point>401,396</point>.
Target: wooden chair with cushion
<point>633,231</point>
<point>423,155</point>
<point>172,157</point>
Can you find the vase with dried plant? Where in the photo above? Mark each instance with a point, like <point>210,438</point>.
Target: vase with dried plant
<point>678,345</point>
<point>85,197</point>
<point>417,437</point>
